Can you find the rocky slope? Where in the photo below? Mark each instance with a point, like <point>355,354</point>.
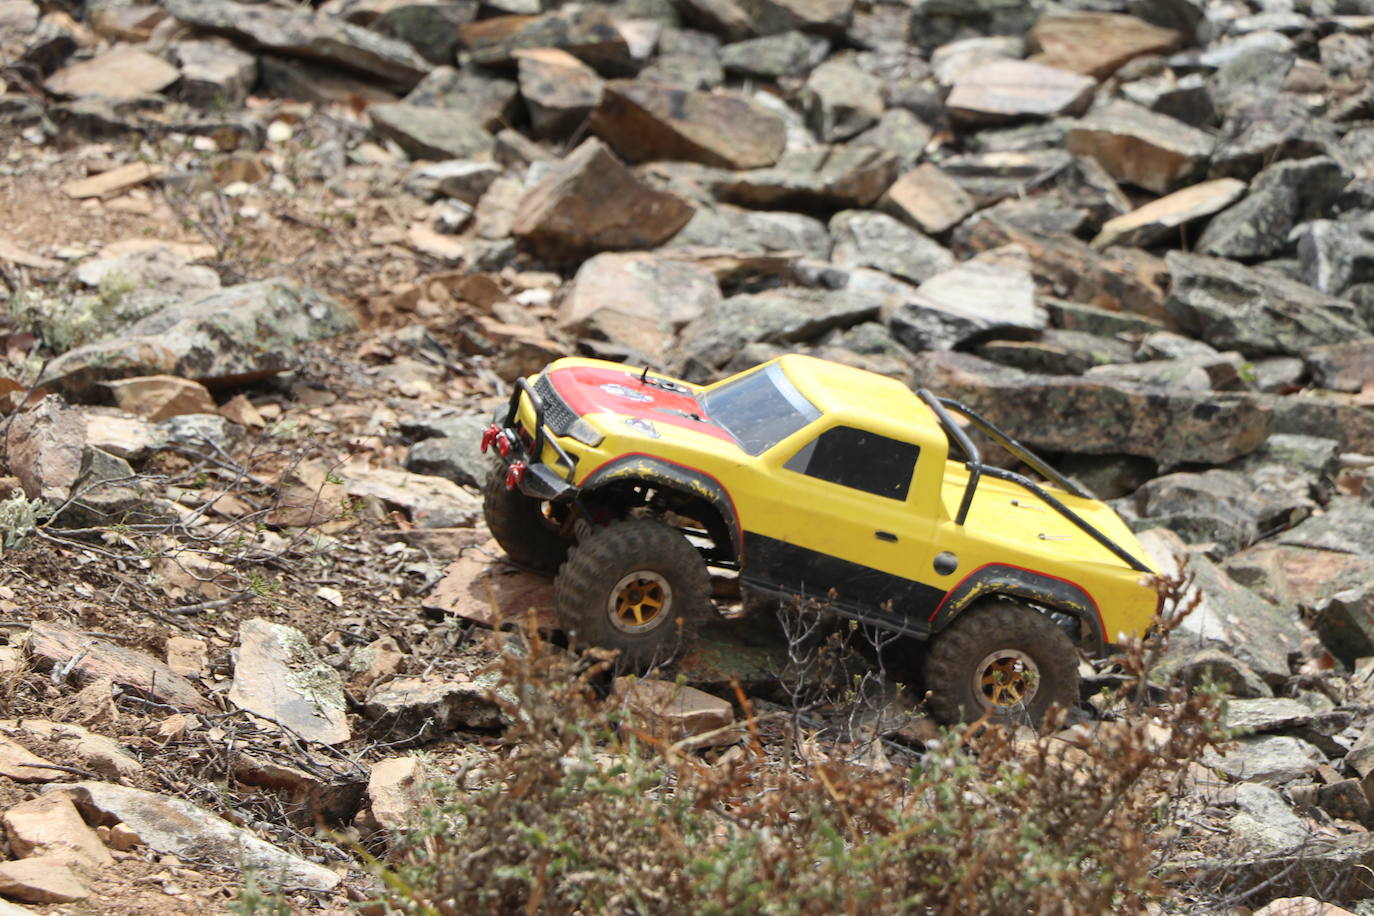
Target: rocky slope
<point>266,268</point>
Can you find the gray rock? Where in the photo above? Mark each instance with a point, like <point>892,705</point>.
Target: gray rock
<point>990,177</point>
<point>214,73</point>
<point>1311,456</point>
<point>278,676</point>
<point>1218,372</point>
<point>1328,416</point>
<point>1336,256</point>
<point>1168,345</point>
<point>1269,759</point>
<point>590,202</point>
<point>1256,312</point>
<point>1057,352</point>
<point>431,28</point>
<point>1282,195</point>
<point>1197,667</point>
<point>951,60</point>
<point>1332,869</point>
<point>1277,714</point>
<point>174,826</point>
<point>456,455</point>
<point>1075,316</point>
<point>430,133</point>
<point>778,316</point>
<point>866,239</point>
<point>1265,822</point>
<point>990,295</point>
<point>1343,366</point>
<point>199,432</point>
<point>1212,506</point>
<point>1275,374</point>
<point>1259,71</point>
<point>1140,146</point>
<point>295,78</point>
<point>1093,418</point>
<point>754,232</point>
<point>899,132</point>
<point>460,179</point>
<point>312,36</point>
<point>432,704</point>
<point>828,178</point>
<point>139,282</point>
<point>841,100</point>
<point>1347,526</point>
<point>1266,130</point>
<point>481,94</point>
<point>785,54</point>
<point>1187,99</point>
<point>243,333</point>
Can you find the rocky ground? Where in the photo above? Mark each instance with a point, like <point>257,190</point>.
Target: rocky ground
<point>267,270</point>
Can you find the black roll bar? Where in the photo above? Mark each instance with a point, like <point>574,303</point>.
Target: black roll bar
<point>513,407</point>
<point>973,461</point>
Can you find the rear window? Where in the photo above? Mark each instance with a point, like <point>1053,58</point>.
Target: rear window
<point>858,459</point>
<point>759,409</point>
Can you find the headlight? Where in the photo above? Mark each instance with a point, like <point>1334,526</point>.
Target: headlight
<point>585,433</point>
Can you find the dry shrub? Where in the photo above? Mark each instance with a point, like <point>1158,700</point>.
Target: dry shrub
<point>586,815</point>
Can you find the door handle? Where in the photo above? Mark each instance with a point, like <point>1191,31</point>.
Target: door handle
<point>885,536</point>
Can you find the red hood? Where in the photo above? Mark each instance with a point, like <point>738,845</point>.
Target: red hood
<point>619,391</point>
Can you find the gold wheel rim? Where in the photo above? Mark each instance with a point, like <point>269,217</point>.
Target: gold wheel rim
<point>639,601</point>
<point>1006,678</point>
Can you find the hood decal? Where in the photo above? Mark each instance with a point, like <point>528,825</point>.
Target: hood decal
<point>653,400</point>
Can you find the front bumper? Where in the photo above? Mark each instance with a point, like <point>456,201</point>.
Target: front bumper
<point>520,463</point>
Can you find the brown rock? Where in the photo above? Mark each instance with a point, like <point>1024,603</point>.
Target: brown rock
<point>830,177</point>
<point>559,90</point>
<point>432,502</point>
<point>240,410</point>
<point>159,397</point>
<point>396,790</point>
<point>590,202</point>
<point>122,435</point>
<point>95,752</point>
<point>114,181</point>
<point>95,659</point>
<point>51,827</point>
<point>676,712</point>
<point>1127,280</point>
<point>16,760</point>
<point>1006,90</point>
<point>124,838</point>
<point>44,447</point>
<point>1156,220</point>
<point>187,656</point>
<point>279,676</point>
<point>643,122</point>
<point>123,73</point>
<point>1096,44</point>
<point>1137,145</point>
<point>41,881</point>
<point>11,252</point>
<point>375,661</point>
<point>928,199</point>
<point>1057,262</point>
<point>493,593</point>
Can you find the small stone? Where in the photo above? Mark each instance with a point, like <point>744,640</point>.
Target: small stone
<point>645,122</point>
<point>428,703</point>
<point>841,100</point>
<point>431,133</point>
<point>395,791</point>
<point>560,91</point>
<point>279,676</point>
<point>1139,146</point>
<point>41,880</point>
<point>51,827</point>
<point>124,838</point>
<point>678,712</point>
<point>17,763</point>
<point>187,656</point>
<point>124,73</point>
<point>929,199</point>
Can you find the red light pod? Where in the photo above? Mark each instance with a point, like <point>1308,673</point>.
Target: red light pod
<point>503,444</point>
<point>514,474</point>
<point>489,436</point>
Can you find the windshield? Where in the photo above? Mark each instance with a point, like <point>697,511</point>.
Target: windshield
<point>759,409</point>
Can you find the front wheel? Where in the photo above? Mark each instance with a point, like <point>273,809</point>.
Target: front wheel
<point>521,525</point>
<point>636,585</point>
<point>1003,660</point>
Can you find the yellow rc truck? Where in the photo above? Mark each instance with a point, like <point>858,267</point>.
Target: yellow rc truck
<point>815,481</point>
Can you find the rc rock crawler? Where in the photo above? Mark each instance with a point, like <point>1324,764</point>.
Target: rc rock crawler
<point>815,481</point>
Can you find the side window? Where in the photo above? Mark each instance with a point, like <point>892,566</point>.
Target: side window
<point>856,458</point>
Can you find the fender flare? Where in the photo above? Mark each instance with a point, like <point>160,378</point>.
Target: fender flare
<point>1013,581</point>
<point>669,474</point>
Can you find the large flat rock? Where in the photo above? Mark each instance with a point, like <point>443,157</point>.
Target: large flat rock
<point>1139,146</point>
<point>239,334</point>
<point>1096,44</point>
<point>1005,90</point>
<point>278,676</point>
<point>1159,219</point>
<point>644,122</point>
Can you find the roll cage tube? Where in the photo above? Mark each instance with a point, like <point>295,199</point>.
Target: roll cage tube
<point>973,461</point>
<point>540,439</point>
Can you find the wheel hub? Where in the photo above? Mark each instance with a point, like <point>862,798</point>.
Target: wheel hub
<point>639,601</point>
<point>1006,678</point>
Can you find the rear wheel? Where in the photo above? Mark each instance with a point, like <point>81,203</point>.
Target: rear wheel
<point>522,525</point>
<point>636,585</point>
<point>1004,660</point>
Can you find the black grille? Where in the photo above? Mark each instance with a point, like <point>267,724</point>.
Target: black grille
<point>557,414</point>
